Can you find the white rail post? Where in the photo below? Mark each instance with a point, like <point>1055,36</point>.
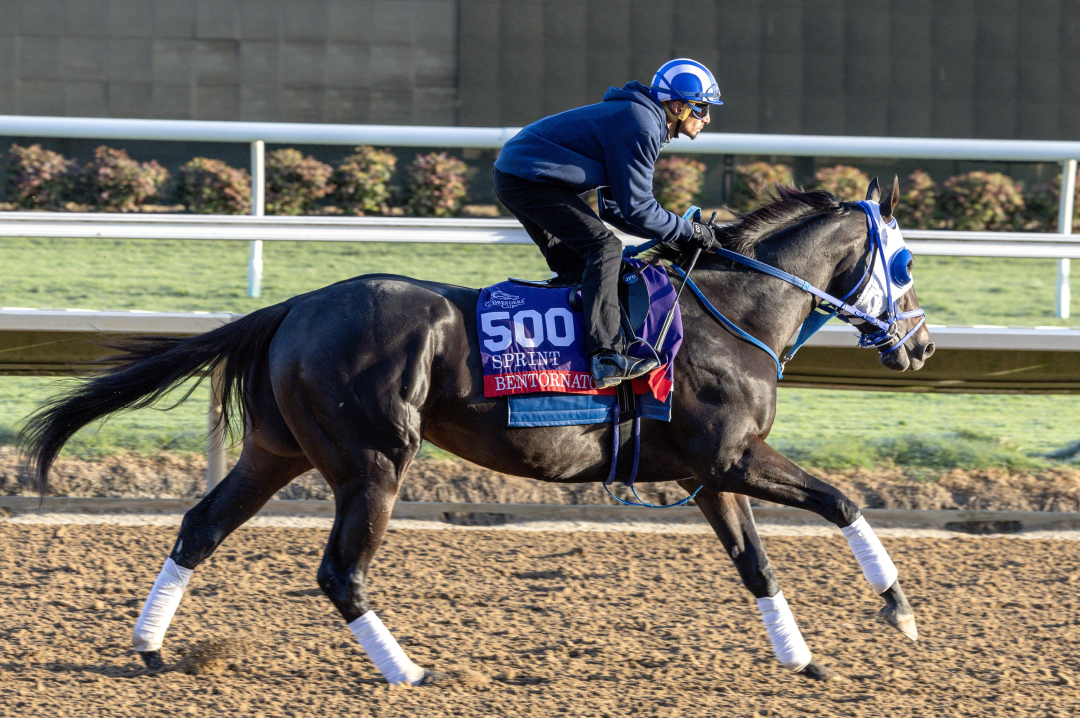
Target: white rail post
<point>216,460</point>
<point>258,208</point>
<point>1065,226</point>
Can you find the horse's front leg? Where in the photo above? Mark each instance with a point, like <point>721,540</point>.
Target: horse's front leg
<point>762,473</point>
<point>733,522</point>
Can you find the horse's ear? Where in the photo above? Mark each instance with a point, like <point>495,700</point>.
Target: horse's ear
<point>892,200</point>
<point>873,193</point>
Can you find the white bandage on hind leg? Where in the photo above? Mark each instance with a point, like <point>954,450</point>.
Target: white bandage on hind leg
<point>876,565</point>
<point>160,607</point>
<point>384,651</point>
<point>787,640</point>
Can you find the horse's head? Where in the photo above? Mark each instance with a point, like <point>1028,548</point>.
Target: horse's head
<point>909,344</point>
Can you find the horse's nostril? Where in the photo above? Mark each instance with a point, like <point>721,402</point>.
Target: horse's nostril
<point>928,351</point>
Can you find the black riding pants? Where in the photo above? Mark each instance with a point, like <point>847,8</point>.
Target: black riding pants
<point>575,243</point>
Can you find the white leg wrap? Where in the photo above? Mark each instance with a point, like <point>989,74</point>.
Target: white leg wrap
<point>384,651</point>
<point>876,565</point>
<point>787,640</point>
<point>160,607</point>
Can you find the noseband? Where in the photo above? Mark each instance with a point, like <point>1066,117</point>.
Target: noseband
<point>880,332</point>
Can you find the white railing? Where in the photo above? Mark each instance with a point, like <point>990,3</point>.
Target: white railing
<point>258,133</point>
<point>457,231</point>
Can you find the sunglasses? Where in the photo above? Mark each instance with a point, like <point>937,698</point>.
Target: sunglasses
<point>699,111</point>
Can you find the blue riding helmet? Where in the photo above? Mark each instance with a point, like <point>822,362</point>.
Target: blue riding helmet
<point>688,81</point>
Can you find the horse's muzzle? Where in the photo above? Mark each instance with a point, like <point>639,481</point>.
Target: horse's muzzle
<point>909,357</point>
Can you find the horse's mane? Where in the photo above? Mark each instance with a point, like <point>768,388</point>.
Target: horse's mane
<point>788,206</point>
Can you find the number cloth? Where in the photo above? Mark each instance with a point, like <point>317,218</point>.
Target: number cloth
<point>532,341</point>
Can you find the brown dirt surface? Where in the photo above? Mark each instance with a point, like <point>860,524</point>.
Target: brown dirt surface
<point>182,476</point>
<point>535,624</point>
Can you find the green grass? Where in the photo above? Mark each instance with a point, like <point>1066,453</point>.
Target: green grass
<point>819,428</point>
<point>212,276</point>
<point>843,430</point>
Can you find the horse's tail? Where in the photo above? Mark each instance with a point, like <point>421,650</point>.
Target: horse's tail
<point>147,371</point>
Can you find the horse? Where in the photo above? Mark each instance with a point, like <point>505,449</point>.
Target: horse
<point>350,379</point>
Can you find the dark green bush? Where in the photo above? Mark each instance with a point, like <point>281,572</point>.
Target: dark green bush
<point>209,186</point>
<point>113,182</point>
<point>361,180</point>
<point>843,181</point>
<point>918,208</point>
<point>1042,205</point>
<point>436,185</point>
<point>677,181</point>
<point>753,183</point>
<point>979,201</point>
<point>294,183</point>
<point>38,178</point>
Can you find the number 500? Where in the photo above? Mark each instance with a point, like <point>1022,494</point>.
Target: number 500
<point>501,336</point>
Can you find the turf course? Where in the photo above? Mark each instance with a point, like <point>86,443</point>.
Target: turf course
<point>826,429</point>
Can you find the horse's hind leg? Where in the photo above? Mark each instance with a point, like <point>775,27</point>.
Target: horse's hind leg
<point>257,476</point>
<point>732,520</point>
<point>762,473</point>
<point>364,505</point>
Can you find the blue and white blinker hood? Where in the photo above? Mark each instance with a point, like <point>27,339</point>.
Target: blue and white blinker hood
<point>889,279</point>
<point>890,267</point>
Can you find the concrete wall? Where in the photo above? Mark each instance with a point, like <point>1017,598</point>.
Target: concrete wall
<point>946,68</point>
<point>949,68</point>
<point>289,60</point>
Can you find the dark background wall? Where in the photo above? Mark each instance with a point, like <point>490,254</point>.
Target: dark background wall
<point>268,60</point>
<point>944,68</point>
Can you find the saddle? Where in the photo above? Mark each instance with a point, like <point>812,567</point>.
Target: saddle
<point>633,297</point>
<point>634,302</point>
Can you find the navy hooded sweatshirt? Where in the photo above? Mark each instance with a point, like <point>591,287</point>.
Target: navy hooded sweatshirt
<point>611,147</point>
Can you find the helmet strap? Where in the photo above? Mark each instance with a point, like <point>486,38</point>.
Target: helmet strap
<point>679,118</point>
<point>683,113</point>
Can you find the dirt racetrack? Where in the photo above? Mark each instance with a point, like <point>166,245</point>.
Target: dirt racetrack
<point>535,624</point>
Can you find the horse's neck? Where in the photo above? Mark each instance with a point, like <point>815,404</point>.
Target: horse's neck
<point>771,309</point>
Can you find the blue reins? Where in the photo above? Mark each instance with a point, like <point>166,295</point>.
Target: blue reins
<point>834,307</point>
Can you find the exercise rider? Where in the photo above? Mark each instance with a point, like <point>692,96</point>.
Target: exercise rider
<point>610,147</point>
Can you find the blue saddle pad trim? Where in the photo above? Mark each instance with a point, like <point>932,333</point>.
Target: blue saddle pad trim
<point>556,409</point>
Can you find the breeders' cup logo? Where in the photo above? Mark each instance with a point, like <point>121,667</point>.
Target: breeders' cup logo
<point>499,298</point>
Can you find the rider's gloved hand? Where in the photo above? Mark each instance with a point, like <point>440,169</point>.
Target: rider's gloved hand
<point>705,236</point>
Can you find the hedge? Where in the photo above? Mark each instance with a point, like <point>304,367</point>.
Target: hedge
<point>677,182</point>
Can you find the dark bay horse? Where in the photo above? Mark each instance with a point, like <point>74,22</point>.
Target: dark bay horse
<point>351,378</point>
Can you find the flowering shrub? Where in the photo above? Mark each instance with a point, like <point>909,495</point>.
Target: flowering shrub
<point>677,181</point>
<point>842,181</point>
<point>436,185</point>
<point>361,181</point>
<point>981,201</point>
<point>209,186</point>
<point>294,183</point>
<point>753,182</point>
<point>38,178</point>
<point>918,203</point>
<point>1043,205</point>
<point>113,182</point>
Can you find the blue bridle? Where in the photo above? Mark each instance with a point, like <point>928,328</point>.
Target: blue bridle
<point>885,328</point>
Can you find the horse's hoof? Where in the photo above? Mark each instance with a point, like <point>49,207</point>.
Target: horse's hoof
<point>817,671</point>
<point>432,677</point>
<point>152,659</point>
<point>904,624</point>
<point>897,611</point>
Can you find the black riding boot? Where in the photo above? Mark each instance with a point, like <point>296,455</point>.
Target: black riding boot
<point>610,368</point>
